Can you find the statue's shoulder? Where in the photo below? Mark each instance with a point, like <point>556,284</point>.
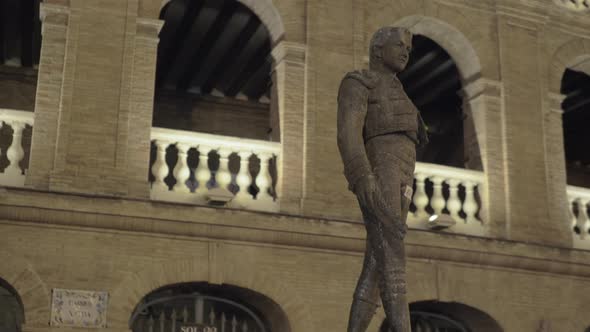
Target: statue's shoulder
<point>367,78</point>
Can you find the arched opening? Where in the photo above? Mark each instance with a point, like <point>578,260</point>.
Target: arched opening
<point>213,67</point>
<point>20,46</point>
<point>213,83</point>
<point>429,316</point>
<point>11,309</point>
<point>575,86</point>
<point>223,307</point>
<point>431,79</point>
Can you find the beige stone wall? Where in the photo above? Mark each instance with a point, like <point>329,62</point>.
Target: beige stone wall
<point>93,116</point>
<point>132,248</point>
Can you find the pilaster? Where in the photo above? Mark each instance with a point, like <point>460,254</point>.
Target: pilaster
<point>555,161</point>
<point>483,109</point>
<point>49,89</point>
<point>94,132</point>
<point>289,104</point>
<point>530,214</point>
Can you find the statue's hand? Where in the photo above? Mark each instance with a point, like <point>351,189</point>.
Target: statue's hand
<point>365,190</point>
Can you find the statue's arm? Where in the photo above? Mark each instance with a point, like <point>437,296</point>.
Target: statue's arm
<point>352,110</point>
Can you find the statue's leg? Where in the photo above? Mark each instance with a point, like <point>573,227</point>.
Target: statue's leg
<point>393,286</point>
<point>366,294</point>
<point>391,258</point>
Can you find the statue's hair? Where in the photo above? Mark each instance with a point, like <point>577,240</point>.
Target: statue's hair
<point>383,35</point>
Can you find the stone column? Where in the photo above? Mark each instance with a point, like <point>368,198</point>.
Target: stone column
<point>483,110</point>
<point>555,161</point>
<point>288,105</point>
<point>49,89</point>
<point>94,132</point>
<point>141,104</point>
<point>529,201</point>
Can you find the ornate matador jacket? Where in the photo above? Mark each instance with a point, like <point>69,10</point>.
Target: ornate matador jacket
<point>380,106</point>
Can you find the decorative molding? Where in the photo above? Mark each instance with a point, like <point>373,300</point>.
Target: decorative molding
<point>54,14</point>
<point>148,28</point>
<point>289,51</point>
<point>43,209</point>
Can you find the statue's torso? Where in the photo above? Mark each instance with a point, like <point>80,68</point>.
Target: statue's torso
<point>389,109</point>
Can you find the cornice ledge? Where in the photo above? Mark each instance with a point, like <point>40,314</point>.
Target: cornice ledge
<point>26,207</point>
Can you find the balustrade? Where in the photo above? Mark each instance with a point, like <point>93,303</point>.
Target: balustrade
<point>441,190</point>
<point>579,200</point>
<point>12,152</point>
<point>199,168</point>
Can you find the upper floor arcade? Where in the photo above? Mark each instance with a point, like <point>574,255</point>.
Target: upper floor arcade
<point>225,103</point>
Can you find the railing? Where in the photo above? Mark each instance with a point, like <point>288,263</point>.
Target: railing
<point>579,200</point>
<point>450,192</point>
<point>12,153</point>
<point>203,168</point>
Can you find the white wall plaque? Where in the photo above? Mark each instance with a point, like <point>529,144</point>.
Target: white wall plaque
<point>79,308</point>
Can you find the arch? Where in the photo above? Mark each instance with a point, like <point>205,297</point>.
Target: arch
<point>575,55</point>
<point>473,318</point>
<point>29,287</point>
<point>466,316</point>
<point>266,12</point>
<point>450,39</point>
<point>134,287</point>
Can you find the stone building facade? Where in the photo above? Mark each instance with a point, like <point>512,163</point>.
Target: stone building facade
<point>87,217</point>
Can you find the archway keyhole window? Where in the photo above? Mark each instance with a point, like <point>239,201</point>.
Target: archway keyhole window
<point>11,309</point>
<point>213,308</point>
<point>575,86</point>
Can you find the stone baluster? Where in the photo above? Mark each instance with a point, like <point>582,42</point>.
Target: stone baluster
<point>244,178</point>
<point>420,197</point>
<point>454,203</point>
<point>470,204</point>
<point>181,171</point>
<point>223,175</point>
<point>160,168</point>
<point>263,180</point>
<point>15,152</point>
<point>162,321</point>
<point>573,218</point>
<point>203,174</point>
<point>583,221</point>
<point>437,201</point>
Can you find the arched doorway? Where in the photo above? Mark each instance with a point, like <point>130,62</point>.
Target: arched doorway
<point>208,307</point>
<point>435,316</point>
<point>11,309</point>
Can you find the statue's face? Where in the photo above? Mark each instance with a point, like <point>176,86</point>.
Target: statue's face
<point>396,52</point>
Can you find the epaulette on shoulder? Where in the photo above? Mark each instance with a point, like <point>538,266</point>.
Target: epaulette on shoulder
<point>366,77</point>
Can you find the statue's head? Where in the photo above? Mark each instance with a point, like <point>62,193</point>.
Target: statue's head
<point>390,48</point>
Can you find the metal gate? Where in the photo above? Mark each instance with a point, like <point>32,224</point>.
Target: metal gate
<point>215,314</point>
<point>430,322</point>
